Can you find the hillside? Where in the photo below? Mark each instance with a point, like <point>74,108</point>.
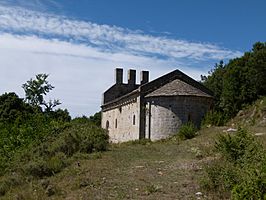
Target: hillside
<point>167,169</point>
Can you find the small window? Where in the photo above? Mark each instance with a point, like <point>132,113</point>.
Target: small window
<point>120,109</point>
<point>134,119</point>
<point>189,117</point>
<point>115,123</point>
<point>107,125</point>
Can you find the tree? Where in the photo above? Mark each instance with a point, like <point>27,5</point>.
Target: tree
<point>240,82</point>
<point>13,108</point>
<point>215,81</point>
<point>36,89</point>
<point>96,118</point>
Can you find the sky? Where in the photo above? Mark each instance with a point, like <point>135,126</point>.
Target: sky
<point>80,43</point>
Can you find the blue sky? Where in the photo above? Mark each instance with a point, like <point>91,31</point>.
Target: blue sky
<point>79,43</point>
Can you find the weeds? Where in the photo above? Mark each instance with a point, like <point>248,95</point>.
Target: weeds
<point>187,131</point>
<point>150,189</point>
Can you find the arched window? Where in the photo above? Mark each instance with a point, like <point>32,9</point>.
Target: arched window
<point>107,125</point>
<point>134,119</point>
<point>115,123</point>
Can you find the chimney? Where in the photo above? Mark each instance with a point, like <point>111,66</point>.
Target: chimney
<point>144,77</point>
<point>131,77</point>
<point>118,75</point>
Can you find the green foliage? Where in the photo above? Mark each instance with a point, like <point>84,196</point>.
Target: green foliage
<point>36,89</point>
<point>36,143</point>
<point>237,147</point>
<point>241,168</point>
<point>239,82</point>
<point>23,124</point>
<point>85,138</point>
<point>215,118</point>
<point>45,166</point>
<point>52,152</point>
<point>187,131</point>
<point>60,115</point>
<point>15,137</point>
<point>252,185</point>
<point>13,109</point>
<point>215,81</point>
<point>222,175</point>
<point>151,188</point>
<point>96,118</point>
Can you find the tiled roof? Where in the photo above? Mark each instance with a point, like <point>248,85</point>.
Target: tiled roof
<point>177,88</point>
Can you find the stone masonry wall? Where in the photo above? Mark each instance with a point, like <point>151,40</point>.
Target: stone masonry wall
<point>120,121</point>
<point>164,115</point>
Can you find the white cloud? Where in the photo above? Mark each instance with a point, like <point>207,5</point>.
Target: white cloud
<point>79,73</point>
<point>81,56</point>
<point>105,37</point>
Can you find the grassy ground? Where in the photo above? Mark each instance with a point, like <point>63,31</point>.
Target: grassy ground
<point>169,169</point>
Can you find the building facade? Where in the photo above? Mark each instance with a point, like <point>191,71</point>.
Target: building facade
<point>152,110</point>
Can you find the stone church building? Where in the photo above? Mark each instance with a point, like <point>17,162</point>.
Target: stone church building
<point>152,110</point>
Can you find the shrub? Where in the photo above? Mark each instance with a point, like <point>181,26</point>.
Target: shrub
<point>81,137</point>
<point>42,167</point>
<point>221,175</point>
<point>214,118</point>
<point>187,131</point>
<point>37,168</point>
<point>56,163</point>
<point>252,185</point>
<point>237,147</point>
<point>241,168</point>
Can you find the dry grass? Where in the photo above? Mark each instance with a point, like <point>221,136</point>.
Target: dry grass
<point>169,169</point>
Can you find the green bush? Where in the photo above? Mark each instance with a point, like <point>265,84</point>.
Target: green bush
<point>38,168</point>
<point>252,185</point>
<point>187,131</point>
<point>42,167</point>
<point>236,148</point>
<point>84,137</point>
<point>57,163</point>
<point>221,175</point>
<point>241,168</point>
<point>214,118</point>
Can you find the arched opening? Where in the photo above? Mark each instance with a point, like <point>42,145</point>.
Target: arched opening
<point>134,119</point>
<point>107,125</point>
<point>115,123</point>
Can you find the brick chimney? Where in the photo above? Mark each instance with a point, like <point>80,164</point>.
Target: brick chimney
<point>131,77</point>
<point>144,77</point>
<point>118,75</point>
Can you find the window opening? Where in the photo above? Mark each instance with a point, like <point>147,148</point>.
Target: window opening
<point>107,125</point>
<point>189,117</point>
<point>134,119</point>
